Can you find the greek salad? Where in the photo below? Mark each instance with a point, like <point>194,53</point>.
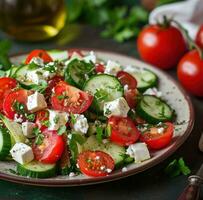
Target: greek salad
<point>67,113</point>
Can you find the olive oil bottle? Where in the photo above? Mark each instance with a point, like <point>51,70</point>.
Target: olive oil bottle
<point>32,20</point>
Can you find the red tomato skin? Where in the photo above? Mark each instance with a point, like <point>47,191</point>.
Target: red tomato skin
<point>120,133</point>
<point>39,53</point>
<point>6,85</point>
<point>106,160</point>
<point>99,68</point>
<point>50,151</point>
<point>127,79</point>
<point>161,47</point>
<point>199,37</point>
<point>162,141</point>
<point>131,97</point>
<point>19,95</point>
<point>190,73</point>
<point>62,87</point>
<point>71,51</point>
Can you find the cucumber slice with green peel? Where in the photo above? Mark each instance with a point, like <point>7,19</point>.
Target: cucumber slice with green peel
<point>115,151</point>
<point>145,79</point>
<point>58,54</point>
<point>93,127</point>
<point>154,110</point>
<point>78,71</point>
<point>5,143</point>
<point>105,88</point>
<point>36,169</point>
<point>14,128</point>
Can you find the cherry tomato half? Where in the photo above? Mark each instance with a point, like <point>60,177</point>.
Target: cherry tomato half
<point>161,47</point>
<point>127,79</point>
<point>95,163</point>
<point>156,140</point>
<point>123,131</point>
<point>6,84</point>
<point>51,148</point>
<point>20,96</point>
<point>199,37</point>
<point>190,72</point>
<point>70,99</point>
<point>99,68</point>
<point>131,97</point>
<point>39,53</point>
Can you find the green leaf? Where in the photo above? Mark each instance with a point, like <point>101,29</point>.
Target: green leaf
<point>99,134</point>
<point>73,118</point>
<point>40,88</point>
<point>61,130</point>
<point>124,35</point>
<point>184,169</point>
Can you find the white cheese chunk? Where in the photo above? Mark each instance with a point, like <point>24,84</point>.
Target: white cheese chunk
<point>125,87</point>
<point>138,151</point>
<point>153,91</point>
<point>38,61</point>
<point>112,68</point>
<point>22,153</point>
<point>57,119</point>
<point>34,76</point>
<point>36,102</point>
<point>90,58</point>
<point>81,124</point>
<point>27,128</point>
<point>118,107</point>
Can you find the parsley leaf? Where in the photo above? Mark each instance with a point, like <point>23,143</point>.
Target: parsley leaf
<point>19,107</point>
<point>73,118</point>
<point>30,117</point>
<point>61,130</point>
<point>99,134</point>
<point>39,136</point>
<point>40,88</point>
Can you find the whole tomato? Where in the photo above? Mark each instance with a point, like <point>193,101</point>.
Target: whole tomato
<point>161,46</point>
<point>199,37</point>
<point>190,72</point>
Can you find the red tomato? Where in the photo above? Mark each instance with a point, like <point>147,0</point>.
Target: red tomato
<point>123,131</point>
<point>131,97</point>
<point>51,149</point>
<point>127,79</point>
<point>41,118</point>
<point>199,37</point>
<point>190,72</point>
<point>20,96</point>
<point>6,84</point>
<point>161,47</point>
<point>39,53</point>
<point>70,99</point>
<point>156,140</point>
<point>71,51</point>
<point>99,68</point>
<point>95,163</point>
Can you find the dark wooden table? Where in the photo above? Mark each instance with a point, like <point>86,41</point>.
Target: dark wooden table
<point>148,185</point>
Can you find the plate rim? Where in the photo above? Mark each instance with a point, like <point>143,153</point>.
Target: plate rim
<point>121,175</point>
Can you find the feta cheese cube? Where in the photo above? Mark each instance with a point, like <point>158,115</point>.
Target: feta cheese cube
<point>138,151</point>
<point>153,91</point>
<point>22,153</point>
<point>36,102</point>
<point>90,58</point>
<point>112,68</point>
<point>34,76</point>
<point>27,128</point>
<point>118,107</point>
<point>57,119</point>
<point>80,124</point>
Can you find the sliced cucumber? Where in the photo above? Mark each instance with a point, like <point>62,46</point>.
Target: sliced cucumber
<point>78,71</point>
<point>14,128</point>
<point>93,127</point>
<point>145,79</point>
<point>154,110</point>
<point>115,151</point>
<point>5,143</point>
<point>58,54</point>
<point>36,169</point>
<point>104,88</point>
<point>13,71</point>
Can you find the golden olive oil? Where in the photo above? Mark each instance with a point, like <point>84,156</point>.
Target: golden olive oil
<point>32,20</point>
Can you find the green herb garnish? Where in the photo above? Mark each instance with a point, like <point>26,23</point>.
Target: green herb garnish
<point>62,130</point>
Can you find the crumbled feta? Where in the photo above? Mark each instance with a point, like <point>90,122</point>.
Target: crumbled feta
<point>38,61</point>
<point>153,91</point>
<point>138,151</point>
<point>18,118</point>
<point>36,102</point>
<point>57,119</point>
<point>108,170</point>
<point>90,58</point>
<point>124,169</point>
<point>81,124</point>
<point>22,153</point>
<point>160,130</point>
<point>118,107</point>
<point>27,128</point>
<point>125,88</point>
<point>112,68</point>
<point>34,76</point>
<point>72,174</point>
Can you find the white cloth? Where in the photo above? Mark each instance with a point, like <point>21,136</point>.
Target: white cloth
<point>189,13</point>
